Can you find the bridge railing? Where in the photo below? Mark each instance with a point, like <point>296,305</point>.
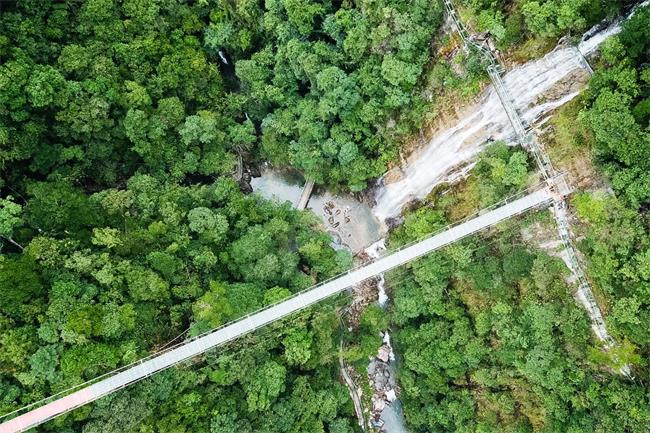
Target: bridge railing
<point>583,283</point>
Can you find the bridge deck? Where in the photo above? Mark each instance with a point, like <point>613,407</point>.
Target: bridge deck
<point>306,194</point>
<point>270,314</point>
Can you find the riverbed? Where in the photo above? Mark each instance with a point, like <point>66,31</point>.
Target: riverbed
<point>350,221</point>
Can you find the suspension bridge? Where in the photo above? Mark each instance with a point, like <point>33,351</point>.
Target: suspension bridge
<point>549,192</point>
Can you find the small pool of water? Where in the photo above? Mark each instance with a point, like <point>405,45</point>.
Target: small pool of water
<point>393,418</point>
<point>349,221</point>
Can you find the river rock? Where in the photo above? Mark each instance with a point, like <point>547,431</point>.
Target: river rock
<point>573,82</point>
<point>245,183</point>
<point>383,353</point>
<point>393,175</point>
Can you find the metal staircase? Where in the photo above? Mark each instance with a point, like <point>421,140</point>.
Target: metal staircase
<point>494,70</point>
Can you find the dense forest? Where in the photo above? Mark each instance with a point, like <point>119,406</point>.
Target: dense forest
<point>122,230</point>
<point>105,278</point>
<point>180,89</point>
<point>614,123</point>
<point>524,27</point>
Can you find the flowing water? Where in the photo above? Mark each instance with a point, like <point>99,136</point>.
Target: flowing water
<point>450,152</point>
<point>537,88</point>
<point>596,35</point>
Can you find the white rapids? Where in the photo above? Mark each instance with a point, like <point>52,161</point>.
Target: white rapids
<point>594,37</point>
<point>450,153</point>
